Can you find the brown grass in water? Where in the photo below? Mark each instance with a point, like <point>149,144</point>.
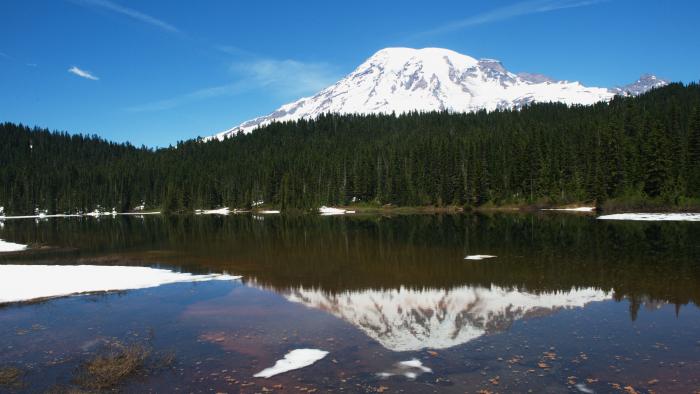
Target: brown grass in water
<point>118,363</point>
<point>10,377</point>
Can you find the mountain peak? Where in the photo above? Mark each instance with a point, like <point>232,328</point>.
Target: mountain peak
<point>645,83</point>
<point>399,80</point>
<point>406,53</point>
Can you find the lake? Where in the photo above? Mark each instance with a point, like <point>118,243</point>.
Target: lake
<point>568,304</point>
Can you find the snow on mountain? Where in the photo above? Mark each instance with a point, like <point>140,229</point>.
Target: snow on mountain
<point>410,320</point>
<point>400,80</point>
<point>645,83</point>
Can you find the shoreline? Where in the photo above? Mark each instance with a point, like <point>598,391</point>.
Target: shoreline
<point>572,208</point>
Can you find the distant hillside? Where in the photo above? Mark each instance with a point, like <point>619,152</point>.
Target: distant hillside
<point>644,148</point>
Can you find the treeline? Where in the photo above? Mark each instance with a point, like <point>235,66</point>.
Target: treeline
<point>645,148</point>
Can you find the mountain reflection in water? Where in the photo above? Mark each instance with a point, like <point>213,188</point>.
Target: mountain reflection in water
<point>410,320</point>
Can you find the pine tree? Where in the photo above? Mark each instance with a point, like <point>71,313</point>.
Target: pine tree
<point>656,159</point>
<point>693,161</point>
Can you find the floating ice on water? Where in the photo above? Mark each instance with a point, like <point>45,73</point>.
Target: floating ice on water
<point>295,359</point>
<point>415,363</point>
<point>29,282</point>
<point>410,369</point>
<point>652,217</point>
<point>479,257</point>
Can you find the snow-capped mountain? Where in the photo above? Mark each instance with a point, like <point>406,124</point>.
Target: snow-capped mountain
<point>645,83</point>
<point>409,320</point>
<point>399,80</point>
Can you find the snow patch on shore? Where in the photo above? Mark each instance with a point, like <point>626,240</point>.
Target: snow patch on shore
<point>329,211</point>
<point>577,209</point>
<point>220,211</point>
<point>295,359</point>
<point>654,217</point>
<point>76,215</point>
<point>11,246</point>
<point>41,216</point>
<point>30,282</point>
<point>139,213</point>
<point>479,257</point>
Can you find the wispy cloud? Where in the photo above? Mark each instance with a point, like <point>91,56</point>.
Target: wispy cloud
<point>233,50</point>
<point>186,98</point>
<point>4,55</point>
<point>82,73</point>
<point>130,12</point>
<point>508,12</point>
<point>286,79</point>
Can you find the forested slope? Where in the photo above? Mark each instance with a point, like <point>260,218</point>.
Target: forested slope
<point>644,148</point>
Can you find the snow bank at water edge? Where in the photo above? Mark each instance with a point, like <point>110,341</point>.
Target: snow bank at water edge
<point>30,282</point>
<point>578,209</point>
<point>11,247</point>
<point>653,217</point>
<point>90,214</point>
<point>220,211</point>
<point>327,211</point>
<point>295,359</point>
<point>41,216</point>
<point>479,257</point>
<point>97,213</point>
<point>330,211</point>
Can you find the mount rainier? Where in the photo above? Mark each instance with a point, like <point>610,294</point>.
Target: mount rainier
<point>399,80</point>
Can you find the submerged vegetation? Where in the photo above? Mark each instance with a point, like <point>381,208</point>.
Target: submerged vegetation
<point>109,369</point>
<point>10,377</point>
<point>631,152</point>
<point>118,362</point>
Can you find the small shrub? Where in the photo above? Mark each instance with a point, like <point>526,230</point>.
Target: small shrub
<point>10,377</point>
<point>112,367</point>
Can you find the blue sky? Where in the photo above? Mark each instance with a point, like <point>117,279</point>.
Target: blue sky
<point>155,72</point>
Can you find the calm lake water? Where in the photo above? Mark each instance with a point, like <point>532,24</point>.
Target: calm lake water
<point>570,304</point>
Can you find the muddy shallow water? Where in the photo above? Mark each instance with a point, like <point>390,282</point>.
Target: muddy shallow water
<point>570,304</point>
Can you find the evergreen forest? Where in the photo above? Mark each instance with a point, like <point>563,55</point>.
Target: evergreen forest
<point>631,151</point>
